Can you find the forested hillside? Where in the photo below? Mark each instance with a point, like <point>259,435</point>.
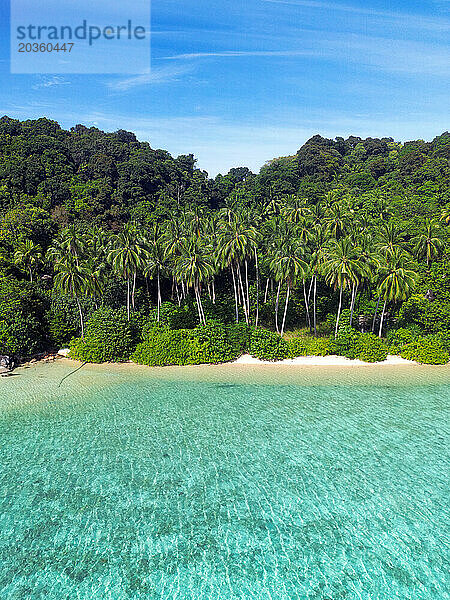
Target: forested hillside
<point>347,234</point>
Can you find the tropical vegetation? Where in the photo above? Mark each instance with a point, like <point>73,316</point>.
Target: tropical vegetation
<point>124,251</point>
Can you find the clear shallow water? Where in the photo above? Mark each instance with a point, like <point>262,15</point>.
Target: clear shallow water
<point>132,484</point>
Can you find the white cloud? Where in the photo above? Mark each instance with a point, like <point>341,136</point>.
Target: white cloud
<point>406,19</point>
<point>154,76</point>
<point>50,82</point>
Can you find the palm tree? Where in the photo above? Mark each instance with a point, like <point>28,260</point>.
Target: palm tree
<point>336,218</point>
<point>397,279</point>
<point>75,280</point>
<point>127,256</point>
<point>28,256</point>
<point>287,266</point>
<point>342,268</point>
<point>156,263</point>
<point>237,242</point>
<point>445,215</point>
<point>430,242</point>
<point>195,265</point>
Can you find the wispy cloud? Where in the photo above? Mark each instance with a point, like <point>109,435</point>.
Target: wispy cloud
<point>422,21</point>
<point>238,53</point>
<point>50,82</point>
<point>154,76</point>
<point>369,52</point>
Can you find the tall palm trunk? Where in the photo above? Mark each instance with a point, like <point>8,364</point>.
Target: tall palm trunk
<point>314,305</point>
<point>267,290</point>
<point>128,298</point>
<point>244,303</point>
<point>134,289</point>
<point>339,312</point>
<point>201,313</point>
<point>81,318</point>
<point>235,294</point>
<point>158,300</point>
<point>285,308</point>
<point>257,289</point>
<point>382,319</point>
<point>352,303</point>
<point>306,306</point>
<point>375,315</point>
<point>31,274</point>
<point>276,307</point>
<point>246,286</point>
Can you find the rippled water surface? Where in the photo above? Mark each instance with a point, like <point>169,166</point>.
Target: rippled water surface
<point>224,484</point>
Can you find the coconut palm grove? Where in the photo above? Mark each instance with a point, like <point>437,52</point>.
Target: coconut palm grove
<point>121,251</point>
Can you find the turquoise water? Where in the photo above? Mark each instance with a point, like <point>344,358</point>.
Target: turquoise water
<point>146,486</point>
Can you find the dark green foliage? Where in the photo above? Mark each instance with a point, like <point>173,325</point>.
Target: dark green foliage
<point>362,346</point>
<point>51,178</point>
<point>430,317</point>
<point>239,335</point>
<point>346,342</point>
<point>426,351</point>
<point>210,343</point>
<point>267,345</point>
<point>370,348</point>
<point>109,337</point>
<point>297,347</point>
<point>64,319</point>
<point>177,317</point>
<point>178,347</point>
<point>22,326</point>
<point>403,335</point>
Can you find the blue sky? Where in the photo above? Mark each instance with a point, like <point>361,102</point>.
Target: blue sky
<point>238,82</point>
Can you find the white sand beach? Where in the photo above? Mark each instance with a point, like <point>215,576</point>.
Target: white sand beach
<point>324,361</point>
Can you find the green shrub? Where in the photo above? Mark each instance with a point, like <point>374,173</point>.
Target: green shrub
<point>441,340</point>
<point>370,348</point>
<point>210,343</point>
<point>430,317</point>
<point>425,351</point>
<point>239,335</point>
<point>109,337</point>
<point>318,346</point>
<point>345,343</point>
<point>403,335</point>
<point>267,345</point>
<point>176,317</point>
<point>214,342</point>
<point>297,347</point>
<point>170,347</point>
<point>22,322</point>
<point>64,318</point>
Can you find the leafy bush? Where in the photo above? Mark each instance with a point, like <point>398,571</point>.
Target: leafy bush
<point>22,323</point>
<point>370,348</point>
<point>403,335</point>
<point>267,345</point>
<point>64,318</point>
<point>354,345</point>
<point>239,335</point>
<point>177,317</point>
<point>425,351</point>
<point>210,343</point>
<point>109,337</point>
<point>297,347</point>
<point>170,347</point>
<point>345,343</point>
<point>318,346</point>
<point>213,340</point>
<point>430,317</point>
